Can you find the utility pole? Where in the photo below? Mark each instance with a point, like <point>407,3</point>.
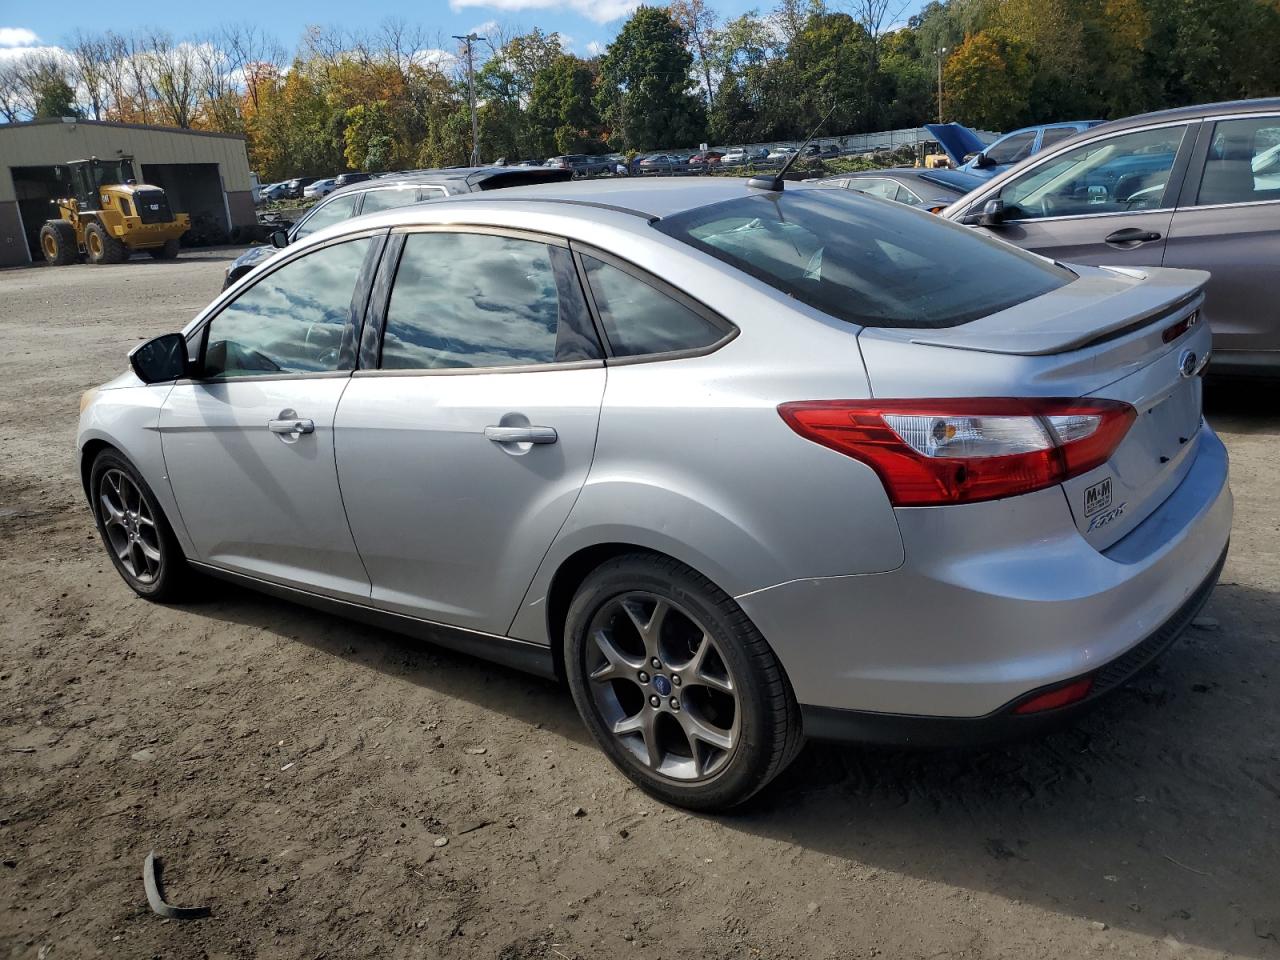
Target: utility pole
<point>469,39</point>
<point>939,53</point>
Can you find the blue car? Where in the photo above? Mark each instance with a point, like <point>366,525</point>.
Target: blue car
<point>967,152</point>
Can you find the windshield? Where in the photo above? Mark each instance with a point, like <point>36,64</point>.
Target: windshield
<point>866,261</point>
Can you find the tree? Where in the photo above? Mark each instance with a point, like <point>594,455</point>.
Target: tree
<point>698,21</point>
<point>561,109</point>
<point>54,97</point>
<point>644,96</point>
<point>987,80</point>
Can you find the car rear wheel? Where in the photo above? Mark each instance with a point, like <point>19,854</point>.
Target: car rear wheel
<point>676,684</point>
<point>137,536</point>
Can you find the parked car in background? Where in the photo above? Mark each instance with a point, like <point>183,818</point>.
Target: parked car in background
<point>781,154</point>
<point>299,184</point>
<point>1191,187</point>
<point>709,158</point>
<point>582,164</point>
<point>932,190</point>
<point>321,188</point>
<point>346,179</point>
<point>662,163</point>
<point>384,193</point>
<point>969,153</point>
<point>275,191</point>
<point>531,446</point>
<point>741,155</point>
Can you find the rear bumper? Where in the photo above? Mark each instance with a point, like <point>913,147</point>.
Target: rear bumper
<point>995,601</point>
<point>895,729</point>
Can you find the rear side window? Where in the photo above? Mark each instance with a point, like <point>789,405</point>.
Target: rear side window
<point>1011,149</point>
<point>1055,135</point>
<point>327,214</point>
<point>1243,164</point>
<point>474,300</point>
<point>868,263</point>
<point>376,200</point>
<point>640,319</point>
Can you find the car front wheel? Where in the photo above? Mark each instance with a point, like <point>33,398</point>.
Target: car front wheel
<point>135,532</point>
<point>676,684</point>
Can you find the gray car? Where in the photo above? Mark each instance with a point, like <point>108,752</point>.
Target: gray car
<point>383,193</point>
<point>742,465</point>
<point>1194,187</point>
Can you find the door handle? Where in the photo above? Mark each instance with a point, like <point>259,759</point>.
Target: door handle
<point>291,426</point>
<point>1132,236</point>
<point>521,434</point>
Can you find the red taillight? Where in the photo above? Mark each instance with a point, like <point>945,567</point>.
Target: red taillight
<point>1061,696</point>
<point>963,450</point>
<point>1172,333</point>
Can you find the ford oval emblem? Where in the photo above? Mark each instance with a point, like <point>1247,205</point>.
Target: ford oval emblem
<point>1187,363</point>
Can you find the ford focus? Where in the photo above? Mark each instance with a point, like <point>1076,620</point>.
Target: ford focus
<point>740,465</point>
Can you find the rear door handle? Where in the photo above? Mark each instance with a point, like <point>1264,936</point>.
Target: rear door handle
<point>521,434</point>
<point>1132,236</point>
<point>292,426</point>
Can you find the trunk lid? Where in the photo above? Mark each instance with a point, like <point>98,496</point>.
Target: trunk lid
<point>1101,336</point>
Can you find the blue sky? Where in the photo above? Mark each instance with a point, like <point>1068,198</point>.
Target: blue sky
<point>585,23</point>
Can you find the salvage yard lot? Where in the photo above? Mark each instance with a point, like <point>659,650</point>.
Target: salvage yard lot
<point>332,790</point>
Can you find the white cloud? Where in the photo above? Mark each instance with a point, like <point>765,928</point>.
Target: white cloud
<point>19,53</point>
<point>601,11</point>
<point>17,37</point>
<point>595,48</point>
<point>488,29</point>
<point>435,57</point>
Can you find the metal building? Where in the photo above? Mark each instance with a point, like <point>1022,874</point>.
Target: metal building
<point>204,174</point>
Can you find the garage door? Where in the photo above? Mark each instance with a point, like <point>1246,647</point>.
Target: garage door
<point>196,189</point>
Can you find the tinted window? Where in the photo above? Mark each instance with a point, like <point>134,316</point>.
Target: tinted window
<point>290,321</point>
<point>1118,174</point>
<point>326,214</point>
<point>875,187</point>
<point>640,319</point>
<point>1243,164</point>
<point>476,300</point>
<point>1055,135</point>
<point>868,263</point>
<point>1012,148</point>
<point>376,200</point>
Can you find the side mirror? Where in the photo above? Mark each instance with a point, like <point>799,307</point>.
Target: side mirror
<point>279,238</point>
<point>982,161</point>
<point>992,213</point>
<point>161,359</point>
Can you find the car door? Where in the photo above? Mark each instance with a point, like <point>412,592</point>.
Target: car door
<point>463,445</point>
<point>249,446</point>
<point>1228,222</point>
<point>1106,201</point>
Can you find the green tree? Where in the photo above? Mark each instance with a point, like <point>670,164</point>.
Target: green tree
<point>369,137</point>
<point>987,81</point>
<point>561,108</point>
<point>54,97</point>
<point>645,94</point>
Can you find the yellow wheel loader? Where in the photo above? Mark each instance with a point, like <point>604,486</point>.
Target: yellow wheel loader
<point>111,216</point>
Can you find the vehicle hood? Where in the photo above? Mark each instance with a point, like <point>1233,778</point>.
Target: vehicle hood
<point>957,140</point>
<point>253,256</point>
<point>962,180</point>
<point>1101,303</point>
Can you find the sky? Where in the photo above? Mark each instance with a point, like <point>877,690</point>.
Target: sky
<point>585,26</point>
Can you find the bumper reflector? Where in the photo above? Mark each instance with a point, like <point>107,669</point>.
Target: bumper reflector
<point>1061,696</point>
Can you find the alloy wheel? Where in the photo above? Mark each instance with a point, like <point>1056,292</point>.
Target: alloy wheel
<point>662,687</point>
<point>130,526</point>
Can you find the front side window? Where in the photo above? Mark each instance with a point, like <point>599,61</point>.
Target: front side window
<point>640,319</point>
<point>376,200</point>
<point>470,300</point>
<point>326,214</point>
<point>1243,164</point>
<point>1125,173</point>
<point>292,320</point>
<point>1011,149</point>
<point>873,264</point>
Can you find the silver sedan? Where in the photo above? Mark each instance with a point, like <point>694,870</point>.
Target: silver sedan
<point>740,464</point>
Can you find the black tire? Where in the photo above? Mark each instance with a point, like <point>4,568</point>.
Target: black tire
<point>173,576</point>
<point>102,247</point>
<point>766,718</point>
<point>58,243</point>
<point>168,252</point>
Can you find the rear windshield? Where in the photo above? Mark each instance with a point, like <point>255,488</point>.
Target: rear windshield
<point>870,262</point>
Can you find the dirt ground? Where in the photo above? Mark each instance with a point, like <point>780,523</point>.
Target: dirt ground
<point>301,774</point>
